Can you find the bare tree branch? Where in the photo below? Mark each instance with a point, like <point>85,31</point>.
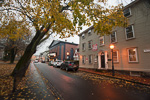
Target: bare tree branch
<point>64,8</point>
<point>8,9</point>
<point>42,28</point>
<point>45,38</point>
<point>24,9</point>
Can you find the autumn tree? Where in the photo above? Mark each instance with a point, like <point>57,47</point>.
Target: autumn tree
<point>63,17</point>
<point>15,36</point>
<point>14,47</point>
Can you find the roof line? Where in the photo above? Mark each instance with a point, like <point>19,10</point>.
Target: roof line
<point>86,30</point>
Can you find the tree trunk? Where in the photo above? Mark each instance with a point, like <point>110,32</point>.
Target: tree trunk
<point>24,61</point>
<point>12,55</point>
<point>29,51</point>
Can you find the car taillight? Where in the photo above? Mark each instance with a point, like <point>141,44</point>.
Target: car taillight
<point>70,64</point>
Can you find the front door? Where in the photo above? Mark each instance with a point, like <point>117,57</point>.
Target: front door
<point>102,60</point>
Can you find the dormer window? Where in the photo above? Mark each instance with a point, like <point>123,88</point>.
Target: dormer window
<point>127,12</point>
<point>83,36</point>
<point>89,32</point>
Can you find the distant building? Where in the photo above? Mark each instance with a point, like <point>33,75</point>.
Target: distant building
<point>76,54</point>
<point>62,50</point>
<point>1,51</point>
<point>45,55</point>
<point>34,57</point>
<point>132,44</point>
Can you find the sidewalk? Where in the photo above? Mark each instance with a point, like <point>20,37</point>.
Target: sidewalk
<point>32,87</point>
<point>38,86</point>
<point>133,79</point>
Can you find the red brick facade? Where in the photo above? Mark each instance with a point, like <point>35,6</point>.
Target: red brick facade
<point>61,48</point>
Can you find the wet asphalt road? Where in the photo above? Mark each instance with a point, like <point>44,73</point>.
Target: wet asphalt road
<point>72,87</point>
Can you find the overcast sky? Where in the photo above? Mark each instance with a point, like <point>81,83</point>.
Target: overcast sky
<point>44,46</point>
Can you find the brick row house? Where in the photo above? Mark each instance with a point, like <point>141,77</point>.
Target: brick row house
<point>62,50</point>
<point>132,44</point>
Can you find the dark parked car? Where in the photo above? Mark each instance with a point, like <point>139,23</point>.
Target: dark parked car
<point>42,61</point>
<point>70,65</point>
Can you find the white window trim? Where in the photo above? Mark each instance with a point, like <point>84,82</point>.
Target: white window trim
<point>90,32</point>
<point>115,37</point>
<point>117,56</point>
<point>83,58</point>
<point>135,53</point>
<point>83,49</point>
<point>91,59</point>
<point>83,36</point>
<point>103,40</point>
<point>132,31</point>
<point>129,11</point>
<point>91,44</point>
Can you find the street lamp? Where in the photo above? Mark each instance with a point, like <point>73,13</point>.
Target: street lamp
<point>67,55</point>
<point>112,47</point>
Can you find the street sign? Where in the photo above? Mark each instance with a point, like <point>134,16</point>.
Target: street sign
<point>146,50</point>
<point>94,47</point>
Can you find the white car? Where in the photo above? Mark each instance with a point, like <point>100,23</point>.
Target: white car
<point>57,63</point>
<point>35,61</point>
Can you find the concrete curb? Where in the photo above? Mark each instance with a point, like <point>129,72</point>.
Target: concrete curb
<point>118,78</point>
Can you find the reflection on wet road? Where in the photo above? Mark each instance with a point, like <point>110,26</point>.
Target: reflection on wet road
<point>86,86</point>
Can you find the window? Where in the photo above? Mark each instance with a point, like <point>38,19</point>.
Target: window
<point>1,1</point>
<point>129,32</point>
<point>83,59</point>
<point>127,12</point>
<point>90,44</point>
<point>90,59</point>
<point>101,40</point>
<point>83,36</point>
<point>77,50</point>
<point>113,37</point>
<point>115,56</point>
<point>132,55</point>
<point>89,32</point>
<point>83,46</point>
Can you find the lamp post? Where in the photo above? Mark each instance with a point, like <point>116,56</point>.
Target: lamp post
<point>112,47</point>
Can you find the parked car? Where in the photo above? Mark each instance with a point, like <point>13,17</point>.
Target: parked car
<point>36,61</point>
<point>70,65</point>
<point>42,61</point>
<point>50,63</point>
<point>57,63</point>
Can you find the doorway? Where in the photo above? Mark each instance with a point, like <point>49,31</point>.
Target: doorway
<point>102,60</point>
